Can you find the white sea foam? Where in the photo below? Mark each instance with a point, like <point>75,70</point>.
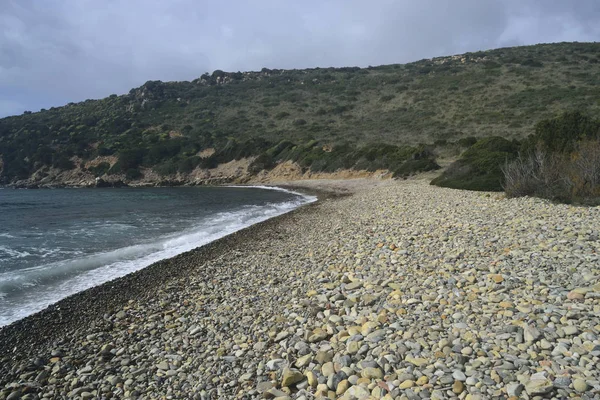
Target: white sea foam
<point>308,198</point>
<point>13,253</point>
<point>55,281</point>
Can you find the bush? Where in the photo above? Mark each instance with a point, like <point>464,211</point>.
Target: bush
<point>585,163</point>
<point>105,151</point>
<point>209,162</point>
<point>130,158</point>
<point>299,122</point>
<point>115,169</point>
<point>561,134</point>
<point>187,165</point>
<point>167,168</point>
<point>262,162</point>
<point>480,167</point>
<point>100,169</point>
<point>282,115</point>
<point>467,141</point>
<point>412,167</point>
<point>532,63</point>
<point>537,174</point>
<point>62,162</point>
<point>133,174</point>
<point>565,177</point>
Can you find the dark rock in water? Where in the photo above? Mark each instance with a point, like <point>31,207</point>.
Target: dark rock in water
<point>101,183</point>
<point>169,183</point>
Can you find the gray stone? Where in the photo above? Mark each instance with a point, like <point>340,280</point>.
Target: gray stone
<point>580,385</point>
<point>459,375</point>
<point>531,334</point>
<point>514,389</point>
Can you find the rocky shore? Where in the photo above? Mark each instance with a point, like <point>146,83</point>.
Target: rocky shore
<point>399,291</point>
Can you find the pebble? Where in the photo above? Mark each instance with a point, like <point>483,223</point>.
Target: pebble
<point>459,376</point>
<point>539,384</point>
<point>401,290</point>
<point>458,387</point>
<point>372,373</point>
<point>291,377</point>
<point>580,385</point>
<point>407,384</point>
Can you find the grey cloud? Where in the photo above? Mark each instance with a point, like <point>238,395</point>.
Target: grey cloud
<point>57,51</point>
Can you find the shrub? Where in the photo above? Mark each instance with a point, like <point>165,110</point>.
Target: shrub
<point>167,168</point>
<point>100,169</point>
<point>105,151</point>
<point>133,174</point>
<point>282,115</point>
<point>187,164</point>
<point>586,165</point>
<point>62,162</point>
<point>532,63</point>
<point>565,177</point>
<point>262,162</point>
<point>561,134</point>
<point>340,109</point>
<point>130,158</point>
<point>299,122</point>
<point>412,167</point>
<point>537,174</point>
<point>209,162</point>
<point>467,141</point>
<point>480,167</point>
<point>115,169</point>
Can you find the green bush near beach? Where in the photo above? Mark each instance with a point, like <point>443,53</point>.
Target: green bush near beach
<point>100,169</point>
<point>559,162</point>
<point>412,167</point>
<point>480,166</point>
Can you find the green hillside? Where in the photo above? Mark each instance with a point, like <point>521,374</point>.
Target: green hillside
<point>502,92</point>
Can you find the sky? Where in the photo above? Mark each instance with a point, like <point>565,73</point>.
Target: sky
<point>53,52</point>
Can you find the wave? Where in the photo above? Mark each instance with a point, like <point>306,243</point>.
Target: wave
<point>309,198</point>
<point>29,290</point>
<point>12,253</point>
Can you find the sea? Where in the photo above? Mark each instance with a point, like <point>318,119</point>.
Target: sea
<point>57,242</point>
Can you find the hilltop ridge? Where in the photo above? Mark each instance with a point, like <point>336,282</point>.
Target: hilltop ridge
<point>501,92</point>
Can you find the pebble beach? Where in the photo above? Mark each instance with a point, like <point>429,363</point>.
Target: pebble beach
<point>383,289</point>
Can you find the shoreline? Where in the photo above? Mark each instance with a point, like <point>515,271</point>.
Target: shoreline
<point>399,291</point>
<point>83,307</point>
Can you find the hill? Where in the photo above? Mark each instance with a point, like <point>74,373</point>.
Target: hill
<point>322,118</point>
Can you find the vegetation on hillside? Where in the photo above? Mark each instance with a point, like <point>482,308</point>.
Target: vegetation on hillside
<point>480,166</point>
<point>560,162</point>
<point>161,125</point>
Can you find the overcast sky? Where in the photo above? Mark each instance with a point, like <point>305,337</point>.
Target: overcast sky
<point>56,51</point>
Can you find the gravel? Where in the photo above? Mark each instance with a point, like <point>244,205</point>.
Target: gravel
<point>399,291</point>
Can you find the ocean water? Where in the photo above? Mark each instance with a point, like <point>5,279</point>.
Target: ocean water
<point>54,243</point>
